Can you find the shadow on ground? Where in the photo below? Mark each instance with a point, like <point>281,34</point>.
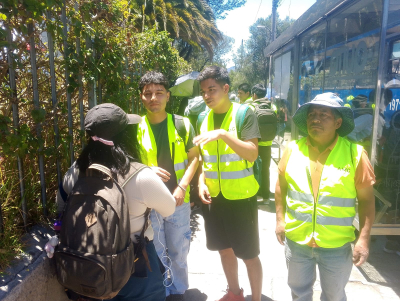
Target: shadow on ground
<point>267,207</point>
<point>194,294</point>
<point>382,268</point>
<point>194,224</point>
<point>263,298</point>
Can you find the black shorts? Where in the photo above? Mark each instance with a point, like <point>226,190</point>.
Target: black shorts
<point>232,224</point>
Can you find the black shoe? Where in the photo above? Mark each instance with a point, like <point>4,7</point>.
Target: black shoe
<point>175,297</point>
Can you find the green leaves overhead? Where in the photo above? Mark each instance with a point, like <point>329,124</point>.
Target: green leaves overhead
<point>190,21</point>
<point>220,7</point>
<point>251,63</point>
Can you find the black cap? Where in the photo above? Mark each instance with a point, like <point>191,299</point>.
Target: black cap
<point>107,120</point>
<point>360,98</point>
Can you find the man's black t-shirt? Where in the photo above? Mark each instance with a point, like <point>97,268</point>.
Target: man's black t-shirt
<point>250,125</point>
<point>164,160</point>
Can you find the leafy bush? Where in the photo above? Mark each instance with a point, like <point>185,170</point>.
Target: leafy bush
<point>104,56</point>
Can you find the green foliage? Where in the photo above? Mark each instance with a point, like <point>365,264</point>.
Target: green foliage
<point>252,66</point>
<point>191,21</point>
<point>156,53</point>
<point>111,56</point>
<point>200,58</point>
<point>221,7</point>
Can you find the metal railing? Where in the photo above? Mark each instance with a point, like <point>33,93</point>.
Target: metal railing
<point>48,88</point>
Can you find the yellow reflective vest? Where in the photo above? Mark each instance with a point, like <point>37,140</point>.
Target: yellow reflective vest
<point>179,156</point>
<point>224,170</point>
<point>329,219</point>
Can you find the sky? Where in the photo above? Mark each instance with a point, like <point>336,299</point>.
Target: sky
<point>238,21</point>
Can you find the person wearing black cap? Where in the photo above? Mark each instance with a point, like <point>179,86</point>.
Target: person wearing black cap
<point>360,101</point>
<point>320,178</point>
<point>112,143</point>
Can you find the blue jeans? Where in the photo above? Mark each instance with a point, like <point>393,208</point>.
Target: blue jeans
<point>173,234</point>
<point>148,288</point>
<point>334,269</point>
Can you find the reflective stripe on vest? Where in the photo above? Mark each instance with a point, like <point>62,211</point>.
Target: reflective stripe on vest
<point>322,199</point>
<point>149,147</point>
<point>224,170</point>
<point>329,219</point>
<point>322,220</point>
<point>180,166</point>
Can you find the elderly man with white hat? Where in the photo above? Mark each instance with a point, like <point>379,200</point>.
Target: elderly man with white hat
<point>320,178</point>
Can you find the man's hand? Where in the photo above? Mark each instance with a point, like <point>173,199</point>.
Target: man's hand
<point>204,194</point>
<point>366,213</point>
<point>179,195</point>
<point>280,232</point>
<point>162,173</point>
<point>360,252</point>
<point>208,137</point>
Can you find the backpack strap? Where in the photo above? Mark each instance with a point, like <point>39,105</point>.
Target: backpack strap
<point>135,168</point>
<point>180,126</point>
<point>100,168</point>
<point>142,239</point>
<point>240,115</point>
<point>200,120</point>
<point>63,193</point>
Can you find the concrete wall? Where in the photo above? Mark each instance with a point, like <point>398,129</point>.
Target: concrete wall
<point>32,275</point>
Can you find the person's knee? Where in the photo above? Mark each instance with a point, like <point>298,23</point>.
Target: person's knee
<point>252,262</point>
<point>226,252</point>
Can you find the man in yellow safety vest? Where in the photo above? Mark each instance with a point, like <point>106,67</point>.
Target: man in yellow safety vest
<point>227,186</point>
<point>174,158</point>
<point>320,178</point>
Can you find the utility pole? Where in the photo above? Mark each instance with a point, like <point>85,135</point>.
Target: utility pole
<point>275,4</point>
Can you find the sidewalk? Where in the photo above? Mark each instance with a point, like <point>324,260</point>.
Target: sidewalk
<point>377,280</point>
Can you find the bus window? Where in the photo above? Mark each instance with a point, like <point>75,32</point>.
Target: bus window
<point>387,169</point>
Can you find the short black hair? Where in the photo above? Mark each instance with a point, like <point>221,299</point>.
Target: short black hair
<point>153,77</point>
<point>245,88</point>
<point>387,96</point>
<point>219,74</point>
<point>259,90</point>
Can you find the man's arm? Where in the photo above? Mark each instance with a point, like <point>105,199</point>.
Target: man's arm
<point>248,149</point>
<point>204,193</point>
<point>193,162</point>
<point>280,204</point>
<point>366,213</point>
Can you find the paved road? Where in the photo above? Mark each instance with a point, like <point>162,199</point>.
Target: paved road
<point>377,280</point>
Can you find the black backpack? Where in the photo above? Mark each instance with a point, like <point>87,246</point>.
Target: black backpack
<point>96,256</point>
<point>267,119</point>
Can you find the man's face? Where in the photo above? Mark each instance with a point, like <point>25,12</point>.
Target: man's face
<point>363,104</point>
<point>321,122</point>
<point>155,98</point>
<point>243,95</point>
<point>213,93</point>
